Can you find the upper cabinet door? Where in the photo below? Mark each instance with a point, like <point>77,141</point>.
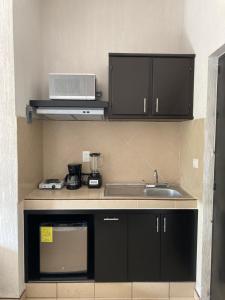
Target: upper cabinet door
<point>129,81</point>
<point>173,87</point>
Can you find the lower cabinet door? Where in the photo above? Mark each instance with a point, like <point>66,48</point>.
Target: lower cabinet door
<point>178,246</point>
<point>143,247</point>
<point>110,247</point>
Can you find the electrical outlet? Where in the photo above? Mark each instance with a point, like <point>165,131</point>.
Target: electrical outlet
<point>195,163</point>
<point>86,156</point>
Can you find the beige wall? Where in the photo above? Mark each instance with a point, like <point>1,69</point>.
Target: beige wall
<point>79,34</point>
<point>204,33</point>
<point>30,172</point>
<point>27,52</point>
<point>27,62</point>
<point>11,280</point>
<point>131,150</point>
<point>30,155</point>
<point>192,146</point>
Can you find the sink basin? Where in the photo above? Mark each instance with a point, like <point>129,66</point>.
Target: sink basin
<point>162,192</point>
<point>124,190</point>
<point>141,190</point>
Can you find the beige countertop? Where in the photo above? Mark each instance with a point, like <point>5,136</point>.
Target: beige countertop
<point>83,193</point>
<point>85,198</point>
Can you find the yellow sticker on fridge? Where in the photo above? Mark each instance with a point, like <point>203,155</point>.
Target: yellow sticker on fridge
<point>46,234</point>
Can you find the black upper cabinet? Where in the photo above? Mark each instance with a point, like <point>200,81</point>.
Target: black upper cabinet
<point>143,247</point>
<point>151,86</point>
<point>172,87</point>
<point>129,85</point>
<point>178,246</point>
<point>110,247</point>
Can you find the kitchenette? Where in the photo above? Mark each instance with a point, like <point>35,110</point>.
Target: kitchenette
<point>113,209</point>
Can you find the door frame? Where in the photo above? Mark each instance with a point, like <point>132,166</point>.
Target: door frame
<point>208,175</point>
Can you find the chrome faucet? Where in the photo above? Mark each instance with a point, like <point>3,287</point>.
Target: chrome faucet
<point>156,177</point>
<point>157,184</point>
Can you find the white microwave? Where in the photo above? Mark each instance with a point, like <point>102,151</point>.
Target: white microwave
<point>66,86</point>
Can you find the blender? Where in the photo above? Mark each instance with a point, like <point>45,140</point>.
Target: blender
<point>94,178</point>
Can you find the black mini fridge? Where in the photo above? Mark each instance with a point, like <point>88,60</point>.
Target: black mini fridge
<point>58,246</point>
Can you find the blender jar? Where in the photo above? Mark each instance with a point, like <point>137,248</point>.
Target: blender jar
<point>95,162</point>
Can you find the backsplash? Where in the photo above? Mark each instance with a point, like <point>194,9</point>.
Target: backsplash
<point>131,150</point>
<point>192,146</point>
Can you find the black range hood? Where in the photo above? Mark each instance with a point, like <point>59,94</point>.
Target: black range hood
<point>68,110</point>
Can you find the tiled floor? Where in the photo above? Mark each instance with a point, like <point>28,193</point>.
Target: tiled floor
<point>110,291</point>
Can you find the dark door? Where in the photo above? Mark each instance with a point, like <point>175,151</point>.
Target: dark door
<point>110,247</point>
<point>218,243</point>
<point>144,247</point>
<point>172,86</point>
<point>130,81</point>
<point>178,246</point>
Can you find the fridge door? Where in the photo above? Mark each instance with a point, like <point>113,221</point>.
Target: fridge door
<point>63,248</point>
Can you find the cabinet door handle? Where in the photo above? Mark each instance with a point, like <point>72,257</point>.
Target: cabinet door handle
<point>157,224</point>
<point>164,224</point>
<point>145,102</point>
<point>111,219</point>
<point>157,105</point>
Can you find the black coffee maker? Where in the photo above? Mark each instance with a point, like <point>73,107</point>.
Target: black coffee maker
<point>73,179</point>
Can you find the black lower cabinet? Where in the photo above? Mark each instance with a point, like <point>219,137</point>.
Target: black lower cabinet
<point>156,245</point>
<point>115,245</point>
<point>178,246</point>
<point>143,247</point>
<point>110,247</point>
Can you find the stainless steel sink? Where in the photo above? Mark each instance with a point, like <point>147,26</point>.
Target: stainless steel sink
<point>141,190</point>
<point>163,192</point>
<point>124,190</point>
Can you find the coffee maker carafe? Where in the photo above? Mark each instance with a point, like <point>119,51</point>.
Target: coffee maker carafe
<point>73,179</point>
<point>94,178</point>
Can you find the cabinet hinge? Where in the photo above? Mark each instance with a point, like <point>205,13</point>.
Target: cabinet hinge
<point>217,115</point>
<point>190,68</point>
<point>214,186</point>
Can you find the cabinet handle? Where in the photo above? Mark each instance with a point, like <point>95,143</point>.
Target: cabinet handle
<point>164,224</point>
<point>111,219</point>
<point>145,101</point>
<point>157,105</point>
<point>157,224</point>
